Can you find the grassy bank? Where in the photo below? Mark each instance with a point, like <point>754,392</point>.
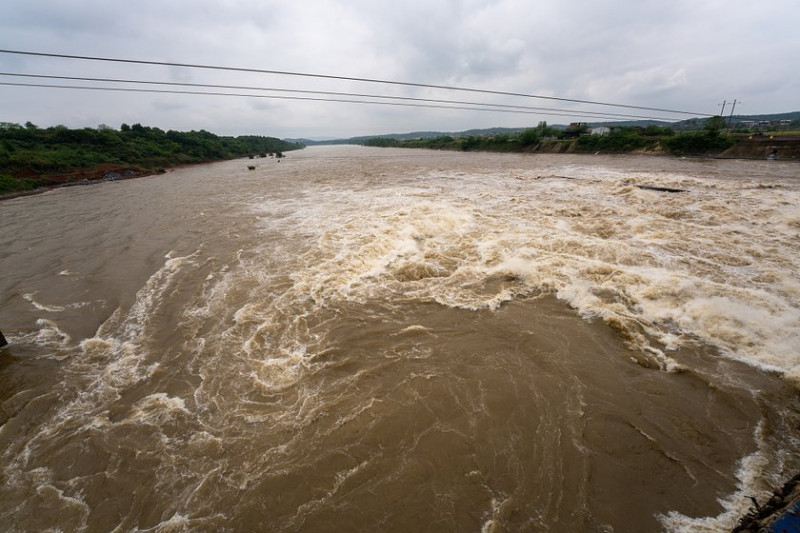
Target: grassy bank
<point>33,157</point>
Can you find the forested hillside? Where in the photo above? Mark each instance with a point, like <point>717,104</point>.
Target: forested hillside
<point>31,156</point>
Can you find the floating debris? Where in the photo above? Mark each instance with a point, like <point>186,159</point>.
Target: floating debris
<point>660,189</point>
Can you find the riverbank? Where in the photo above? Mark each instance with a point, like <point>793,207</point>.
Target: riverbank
<point>33,158</point>
<point>102,173</point>
<point>626,142</point>
<point>783,147</point>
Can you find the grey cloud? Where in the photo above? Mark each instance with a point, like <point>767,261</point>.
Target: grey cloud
<point>680,54</point>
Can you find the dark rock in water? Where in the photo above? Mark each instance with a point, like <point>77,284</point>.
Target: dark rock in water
<point>111,176</point>
<point>3,340</point>
<point>660,189</point>
<point>780,513</point>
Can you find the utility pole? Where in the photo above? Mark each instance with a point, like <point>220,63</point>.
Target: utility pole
<point>730,118</point>
<point>722,113</point>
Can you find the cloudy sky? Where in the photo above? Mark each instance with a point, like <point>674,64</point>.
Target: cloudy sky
<point>685,55</point>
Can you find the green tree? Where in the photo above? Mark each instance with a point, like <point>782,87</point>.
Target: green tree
<point>529,137</point>
<point>58,149</point>
<point>713,125</point>
<point>657,131</point>
<point>545,130</point>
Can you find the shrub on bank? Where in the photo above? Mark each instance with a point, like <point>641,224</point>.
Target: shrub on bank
<point>9,184</point>
<point>617,141</point>
<point>696,143</point>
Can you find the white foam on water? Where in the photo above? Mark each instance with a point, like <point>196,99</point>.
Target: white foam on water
<point>149,296</point>
<point>494,524</point>
<point>714,264</point>
<point>117,349</point>
<point>416,329</point>
<point>157,407</point>
<point>176,522</point>
<point>108,363</point>
<point>42,307</point>
<point>52,308</point>
<point>341,478</point>
<point>755,477</point>
<point>179,522</point>
<point>49,336</point>
<point>278,371</point>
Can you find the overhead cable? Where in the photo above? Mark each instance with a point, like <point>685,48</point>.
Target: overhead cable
<point>573,112</point>
<point>303,98</point>
<point>344,78</point>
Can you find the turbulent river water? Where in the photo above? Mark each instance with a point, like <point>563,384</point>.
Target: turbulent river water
<point>358,339</point>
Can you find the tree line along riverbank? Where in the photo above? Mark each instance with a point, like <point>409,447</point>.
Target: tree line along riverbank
<point>711,141</point>
<point>33,157</point>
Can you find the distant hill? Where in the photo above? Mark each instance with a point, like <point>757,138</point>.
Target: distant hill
<point>632,123</point>
<point>794,115</point>
<point>413,135</point>
<point>679,125</point>
<point>692,122</point>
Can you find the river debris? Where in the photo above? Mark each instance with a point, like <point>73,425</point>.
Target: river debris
<point>660,189</point>
<point>553,176</point>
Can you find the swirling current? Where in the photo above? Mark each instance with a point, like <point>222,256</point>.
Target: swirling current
<point>362,339</point>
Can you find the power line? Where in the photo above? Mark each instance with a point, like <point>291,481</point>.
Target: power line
<point>344,78</point>
<point>572,112</point>
<point>302,98</point>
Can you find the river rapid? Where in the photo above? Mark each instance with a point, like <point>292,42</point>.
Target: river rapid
<point>366,339</point>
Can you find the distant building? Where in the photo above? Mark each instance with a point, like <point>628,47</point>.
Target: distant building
<point>575,129</point>
<point>601,130</point>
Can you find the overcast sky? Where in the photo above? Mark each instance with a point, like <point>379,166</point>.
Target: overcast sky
<point>679,54</point>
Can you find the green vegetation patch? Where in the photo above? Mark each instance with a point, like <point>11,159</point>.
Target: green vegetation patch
<point>30,150</point>
<point>696,143</point>
<point>10,184</point>
<point>501,142</point>
<point>620,139</point>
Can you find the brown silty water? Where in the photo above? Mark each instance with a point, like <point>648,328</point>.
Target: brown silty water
<point>395,340</point>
